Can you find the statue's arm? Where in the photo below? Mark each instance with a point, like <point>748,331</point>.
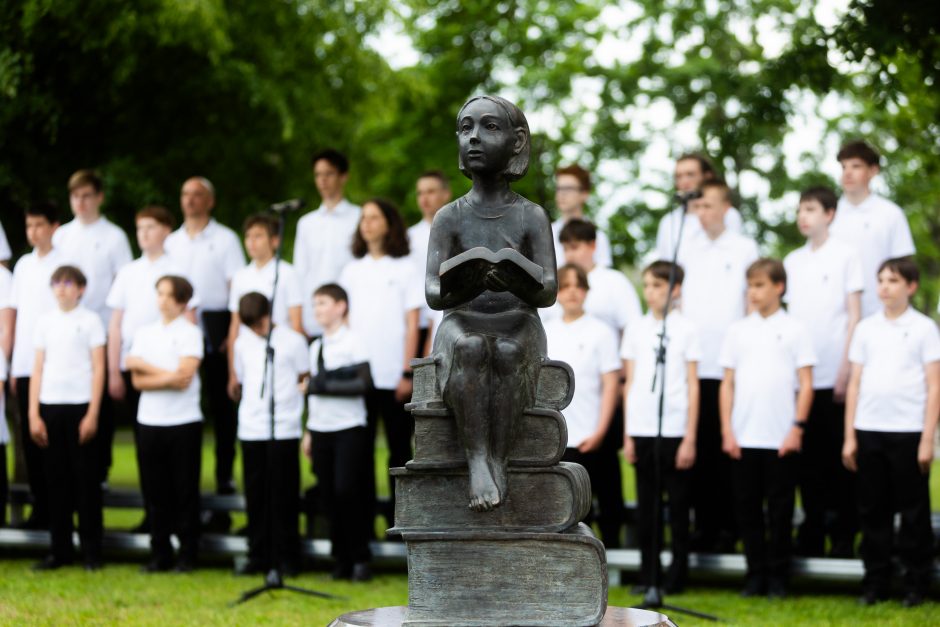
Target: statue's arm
<point>539,232</point>
<point>440,249</point>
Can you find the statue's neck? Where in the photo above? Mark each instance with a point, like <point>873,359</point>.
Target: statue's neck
<point>490,193</point>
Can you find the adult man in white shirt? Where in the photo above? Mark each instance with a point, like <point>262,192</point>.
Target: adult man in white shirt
<point>210,254</point>
<point>692,169</point>
<point>432,192</point>
<point>99,248</point>
<point>713,297</point>
<point>876,227</point>
<point>572,190</point>
<point>324,237</point>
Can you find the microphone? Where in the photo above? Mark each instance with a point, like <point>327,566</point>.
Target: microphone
<point>685,197</point>
<point>288,205</point>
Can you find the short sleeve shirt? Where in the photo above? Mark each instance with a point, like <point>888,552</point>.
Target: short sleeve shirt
<point>640,345</point>
<point>290,362</point>
<point>818,284</point>
<point>335,413</point>
<point>164,345</point>
<point>765,354</point>
<point>67,339</point>
<point>893,353</point>
<point>590,348</point>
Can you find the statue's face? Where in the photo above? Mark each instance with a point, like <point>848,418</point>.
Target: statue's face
<point>486,137</point>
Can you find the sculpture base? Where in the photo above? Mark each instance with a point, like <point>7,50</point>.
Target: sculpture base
<point>395,616</point>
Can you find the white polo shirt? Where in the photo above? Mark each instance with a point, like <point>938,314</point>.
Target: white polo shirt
<point>590,348</point>
<point>765,354</point>
<point>893,392</point>
<point>251,278</point>
<point>4,431</point>
<point>290,362</point>
<point>335,413</point>
<point>99,249</point>
<point>163,345</point>
<point>381,293</point>
<point>667,233</point>
<point>67,337</point>
<point>714,290</point>
<point>210,259</point>
<point>640,345</point>
<point>322,248</point>
<point>135,292</point>
<point>418,237</point>
<point>5,252</point>
<point>32,297</point>
<point>878,230</point>
<point>818,283</point>
<point>602,254</point>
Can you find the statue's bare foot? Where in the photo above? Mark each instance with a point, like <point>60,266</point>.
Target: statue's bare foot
<point>484,493</point>
<point>500,477</point>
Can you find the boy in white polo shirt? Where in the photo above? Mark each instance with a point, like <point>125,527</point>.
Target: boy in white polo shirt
<point>680,417</point>
<point>261,242</point>
<point>65,392</point>
<point>824,288</point>
<point>590,348</point>
<point>164,364</point>
<point>890,422</point>
<point>713,297</point>
<point>766,356</point>
<point>270,464</point>
<point>337,439</point>
<point>873,225</point>
<point>32,297</point>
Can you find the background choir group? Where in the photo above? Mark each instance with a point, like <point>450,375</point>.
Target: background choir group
<point>838,390</point>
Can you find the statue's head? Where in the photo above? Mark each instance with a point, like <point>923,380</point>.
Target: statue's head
<point>493,136</point>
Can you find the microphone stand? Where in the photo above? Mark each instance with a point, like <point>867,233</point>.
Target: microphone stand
<point>653,599</point>
<point>273,580</point>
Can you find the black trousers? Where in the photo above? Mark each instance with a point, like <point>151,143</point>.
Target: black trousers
<point>827,489</point>
<point>340,462</point>
<point>889,481</point>
<point>271,473</point>
<point>712,496</point>
<point>72,483</point>
<point>170,460</point>
<point>35,458</point>
<point>399,428</point>
<point>762,476</point>
<point>104,440</point>
<point>676,485</point>
<point>4,483</point>
<point>220,406</point>
<point>603,467</point>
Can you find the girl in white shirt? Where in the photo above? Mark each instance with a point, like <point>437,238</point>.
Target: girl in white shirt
<point>384,298</point>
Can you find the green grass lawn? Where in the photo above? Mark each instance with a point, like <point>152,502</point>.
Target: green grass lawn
<point>121,594</point>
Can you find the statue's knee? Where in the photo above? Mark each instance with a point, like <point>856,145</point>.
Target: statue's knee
<point>509,352</point>
<point>470,351</point>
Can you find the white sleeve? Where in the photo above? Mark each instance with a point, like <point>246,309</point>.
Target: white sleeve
<point>857,348</point>
<point>5,252</point>
<point>6,288</point>
<point>298,356</point>
<point>96,335</point>
<point>300,258</point>
<point>193,346</point>
<point>902,244</point>
<point>602,254</point>
<point>238,366</point>
<point>805,351</point>
<point>733,221</point>
<point>117,295</point>
<point>727,356</point>
<point>607,350</point>
<point>628,344</point>
<point>39,332</point>
<point>751,252</point>
<point>414,290</point>
<point>930,347</point>
<point>234,294</point>
<point>234,257</point>
<point>854,278</point>
<point>293,295</point>
<point>121,251</point>
<point>693,346</point>
<point>628,309</point>
<point>312,356</point>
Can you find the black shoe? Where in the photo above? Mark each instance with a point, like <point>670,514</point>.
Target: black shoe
<point>185,565</point>
<point>361,572</point>
<point>776,590</point>
<point>249,567</point>
<point>93,565</point>
<point>216,522</point>
<point>913,599</point>
<point>51,562</point>
<point>753,587</point>
<point>157,565</point>
<point>342,571</point>
<point>871,597</point>
<point>639,589</point>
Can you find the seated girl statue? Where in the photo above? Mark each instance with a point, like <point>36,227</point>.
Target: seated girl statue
<point>491,263</point>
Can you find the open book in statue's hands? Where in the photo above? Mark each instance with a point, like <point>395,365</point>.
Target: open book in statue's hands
<point>471,266</point>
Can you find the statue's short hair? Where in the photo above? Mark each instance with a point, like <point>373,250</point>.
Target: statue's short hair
<point>519,164</point>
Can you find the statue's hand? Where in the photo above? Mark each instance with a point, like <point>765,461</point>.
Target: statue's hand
<point>493,281</point>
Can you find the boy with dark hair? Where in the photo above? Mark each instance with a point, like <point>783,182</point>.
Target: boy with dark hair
<point>873,225</point>
<point>890,422</point>
<point>713,297</point>
<point>261,242</point>
<point>321,247</point>
<point>32,297</point>
<point>572,190</point>
<point>765,356</point>
<point>825,287</point>
<point>337,439</point>
<point>65,391</point>
<point>271,467</point>
<point>680,417</point>
<point>164,365</point>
